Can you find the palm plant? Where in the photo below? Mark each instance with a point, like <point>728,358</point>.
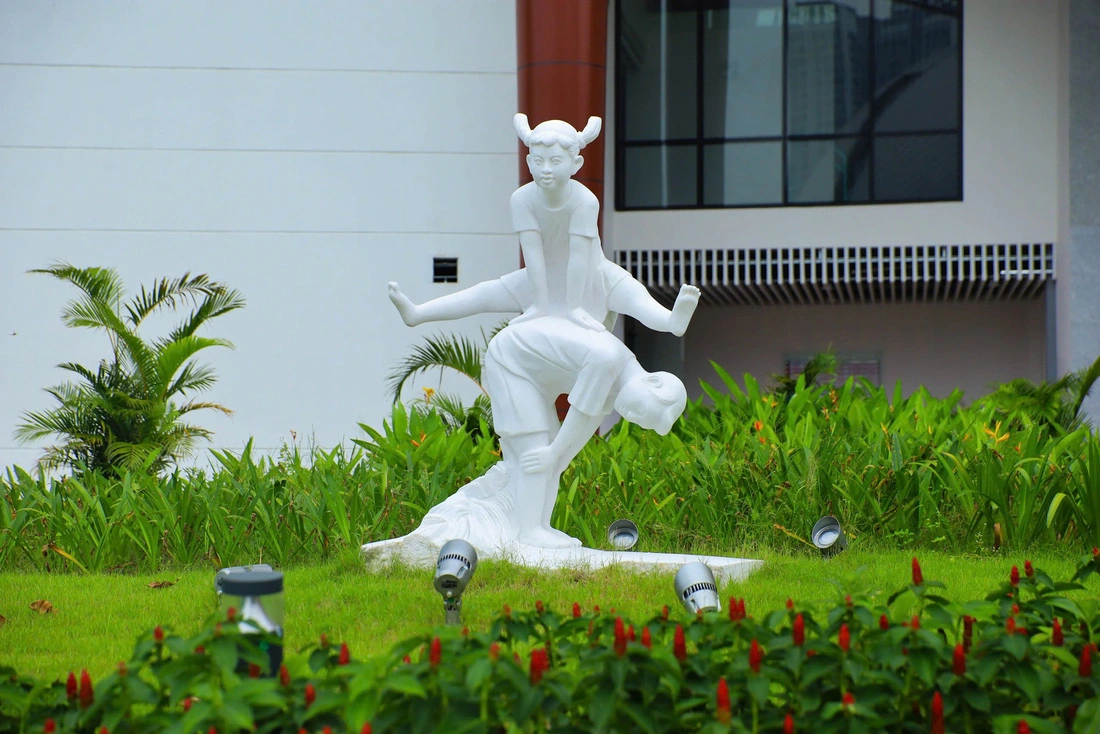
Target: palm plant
<point>447,352</point>
<point>127,413</point>
<point>1056,404</point>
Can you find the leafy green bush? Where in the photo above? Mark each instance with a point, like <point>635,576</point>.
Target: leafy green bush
<point>1026,653</point>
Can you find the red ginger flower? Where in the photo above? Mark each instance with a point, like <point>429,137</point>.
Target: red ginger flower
<point>848,701</point>
<point>914,624</point>
<point>345,654</point>
<point>958,663</point>
<point>367,729</point>
<point>465,631</point>
<point>284,676</point>
<point>231,614</point>
<point>756,655</point>
<point>844,638</point>
<point>186,704</point>
<point>324,641</point>
<point>326,730</point>
<point>70,686</point>
<point>790,603</point>
<point>212,730</point>
<point>629,633</point>
<point>596,609</point>
<point>664,612</point>
<point>539,606</point>
<point>507,611</point>
<point>1014,576</point>
<point>1056,637</point>
<point>1022,727</point>
<point>647,640</point>
<point>435,652</point>
<point>883,623</point>
<point>104,730</point>
<point>679,644</point>
<point>200,650</point>
<point>1029,570</point>
<point>620,637</point>
<point>937,713</point>
<point>407,660</point>
<point>798,630</point>
<point>918,577</point>
<point>848,600</point>
<point>253,670</point>
<point>1084,669</point>
<point>539,663</point>
<point>723,702</point>
<point>494,652</point>
<point>50,727</point>
<point>788,724</point>
<point>311,694</point>
<point>576,610</point>
<point>86,693</point>
<point>1010,626</point>
<point>158,634</point>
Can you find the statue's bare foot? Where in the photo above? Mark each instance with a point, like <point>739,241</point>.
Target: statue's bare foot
<point>683,309</point>
<point>542,538</point>
<point>404,306</point>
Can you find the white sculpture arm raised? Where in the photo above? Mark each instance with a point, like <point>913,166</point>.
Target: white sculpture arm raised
<point>633,299</point>
<point>488,297</point>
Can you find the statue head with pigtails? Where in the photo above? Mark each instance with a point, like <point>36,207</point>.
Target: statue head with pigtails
<point>554,149</point>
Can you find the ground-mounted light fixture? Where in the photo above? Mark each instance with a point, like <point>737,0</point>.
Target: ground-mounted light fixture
<point>828,536</point>
<point>622,534</point>
<point>695,588</point>
<point>222,575</point>
<point>453,571</point>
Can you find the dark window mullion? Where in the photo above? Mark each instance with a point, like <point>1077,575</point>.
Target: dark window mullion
<point>871,94</point>
<point>786,47</point>
<point>700,30</point>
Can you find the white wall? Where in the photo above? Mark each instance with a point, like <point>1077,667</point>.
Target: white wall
<point>304,153</point>
<point>1010,163</point>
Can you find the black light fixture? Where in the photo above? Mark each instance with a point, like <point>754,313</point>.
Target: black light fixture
<point>453,571</point>
<point>828,536</point>
<point>695,588</point>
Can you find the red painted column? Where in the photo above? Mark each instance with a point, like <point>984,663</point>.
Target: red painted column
<point>561,64</point>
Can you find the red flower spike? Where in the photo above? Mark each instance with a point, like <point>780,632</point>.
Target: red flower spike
<point>515,656</point>
<point>596,609</point>
<point>848,601</point>
<point>756,655</point>
<point>70,686</point>
<point>958,662</point>
<point>253,670</point>
<point>1029,570</point>
<point>200,650</point>
<point>303,730</point>
<point>86,693</point>
<point>218,629</point>
<point>326,730</point>
<point>790,603</point>
<point>733,610</point>
<point>849,700</point>
<point>1010,626</point>
<point>722,699</point>
<point>407,660</point>
<point>629,633</point>
<point>435,652</point>
<point>741,607</point>
<point>345,654</point>
<point>231,614</point>
<point>465,631</point>
<point>104,730</point>
<point>576,610</point>
<point>1022,727</point>
<point>212,730</point>
<point>539,606</point>
<point>788,724</point>
<point>664,612</point>
<point>915,623</point>
<point>1084,669</point>
<point>937,713</point>
<point>620,637</point>
<point>367,729</point>
<point>494,652</point>
<point>1014,576</point>
<point>311,694</point>
<point>798,630</point>
<point>50,727</point>
<point>507,611</point>
<point>679,644</point>
<point>284,676</point>
<point>1056,637</point>
<point>883,623</point>
<point>918,577</point>
<point>186,704</point>
<point>647,640</point>
<point>158,634</point>
<point>539,664</point>
<point>844,638</point>
<point>324,641</point>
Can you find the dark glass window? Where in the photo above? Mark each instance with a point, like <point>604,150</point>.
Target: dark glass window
<point>444,269</point>
<point>788,102</point>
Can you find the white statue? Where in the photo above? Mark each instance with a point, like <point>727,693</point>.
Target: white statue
<point>568,295</point>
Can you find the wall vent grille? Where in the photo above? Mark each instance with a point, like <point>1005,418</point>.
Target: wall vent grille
<point>833,275</point>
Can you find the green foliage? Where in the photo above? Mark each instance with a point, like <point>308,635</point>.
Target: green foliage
<point>126,413</point>
<point>1055,405</point>
<point>1020,654</point>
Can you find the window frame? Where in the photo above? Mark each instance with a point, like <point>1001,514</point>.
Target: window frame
<point>701,141</point>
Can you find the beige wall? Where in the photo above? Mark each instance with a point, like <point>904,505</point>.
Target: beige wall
<point>939,345</point>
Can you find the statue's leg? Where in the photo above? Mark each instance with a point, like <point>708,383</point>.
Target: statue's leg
<point>529,492</point>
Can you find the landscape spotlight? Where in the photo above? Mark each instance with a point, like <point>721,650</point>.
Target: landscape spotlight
<point>828,536</point>
<point>622,534</point>
<point>453,570</point>
<point>222,575</point>
<point>696,589</point>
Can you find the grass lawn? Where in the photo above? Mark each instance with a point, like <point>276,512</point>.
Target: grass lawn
<point>98,617</point>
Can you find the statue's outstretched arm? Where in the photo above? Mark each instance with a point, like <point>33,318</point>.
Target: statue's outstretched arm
<point>488,297</point>
<point>575,431</point>
<point>630,297</point>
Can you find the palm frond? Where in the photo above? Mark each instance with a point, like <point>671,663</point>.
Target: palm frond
<point>216,303</point>
<point>171,357</point>
<point>1085,380</point>
<point>99,284</point>
<point>167,293</point>
<point>458,353</point>
<point>188,407</point>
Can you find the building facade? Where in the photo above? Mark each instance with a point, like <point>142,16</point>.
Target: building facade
<point>911,182</point>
